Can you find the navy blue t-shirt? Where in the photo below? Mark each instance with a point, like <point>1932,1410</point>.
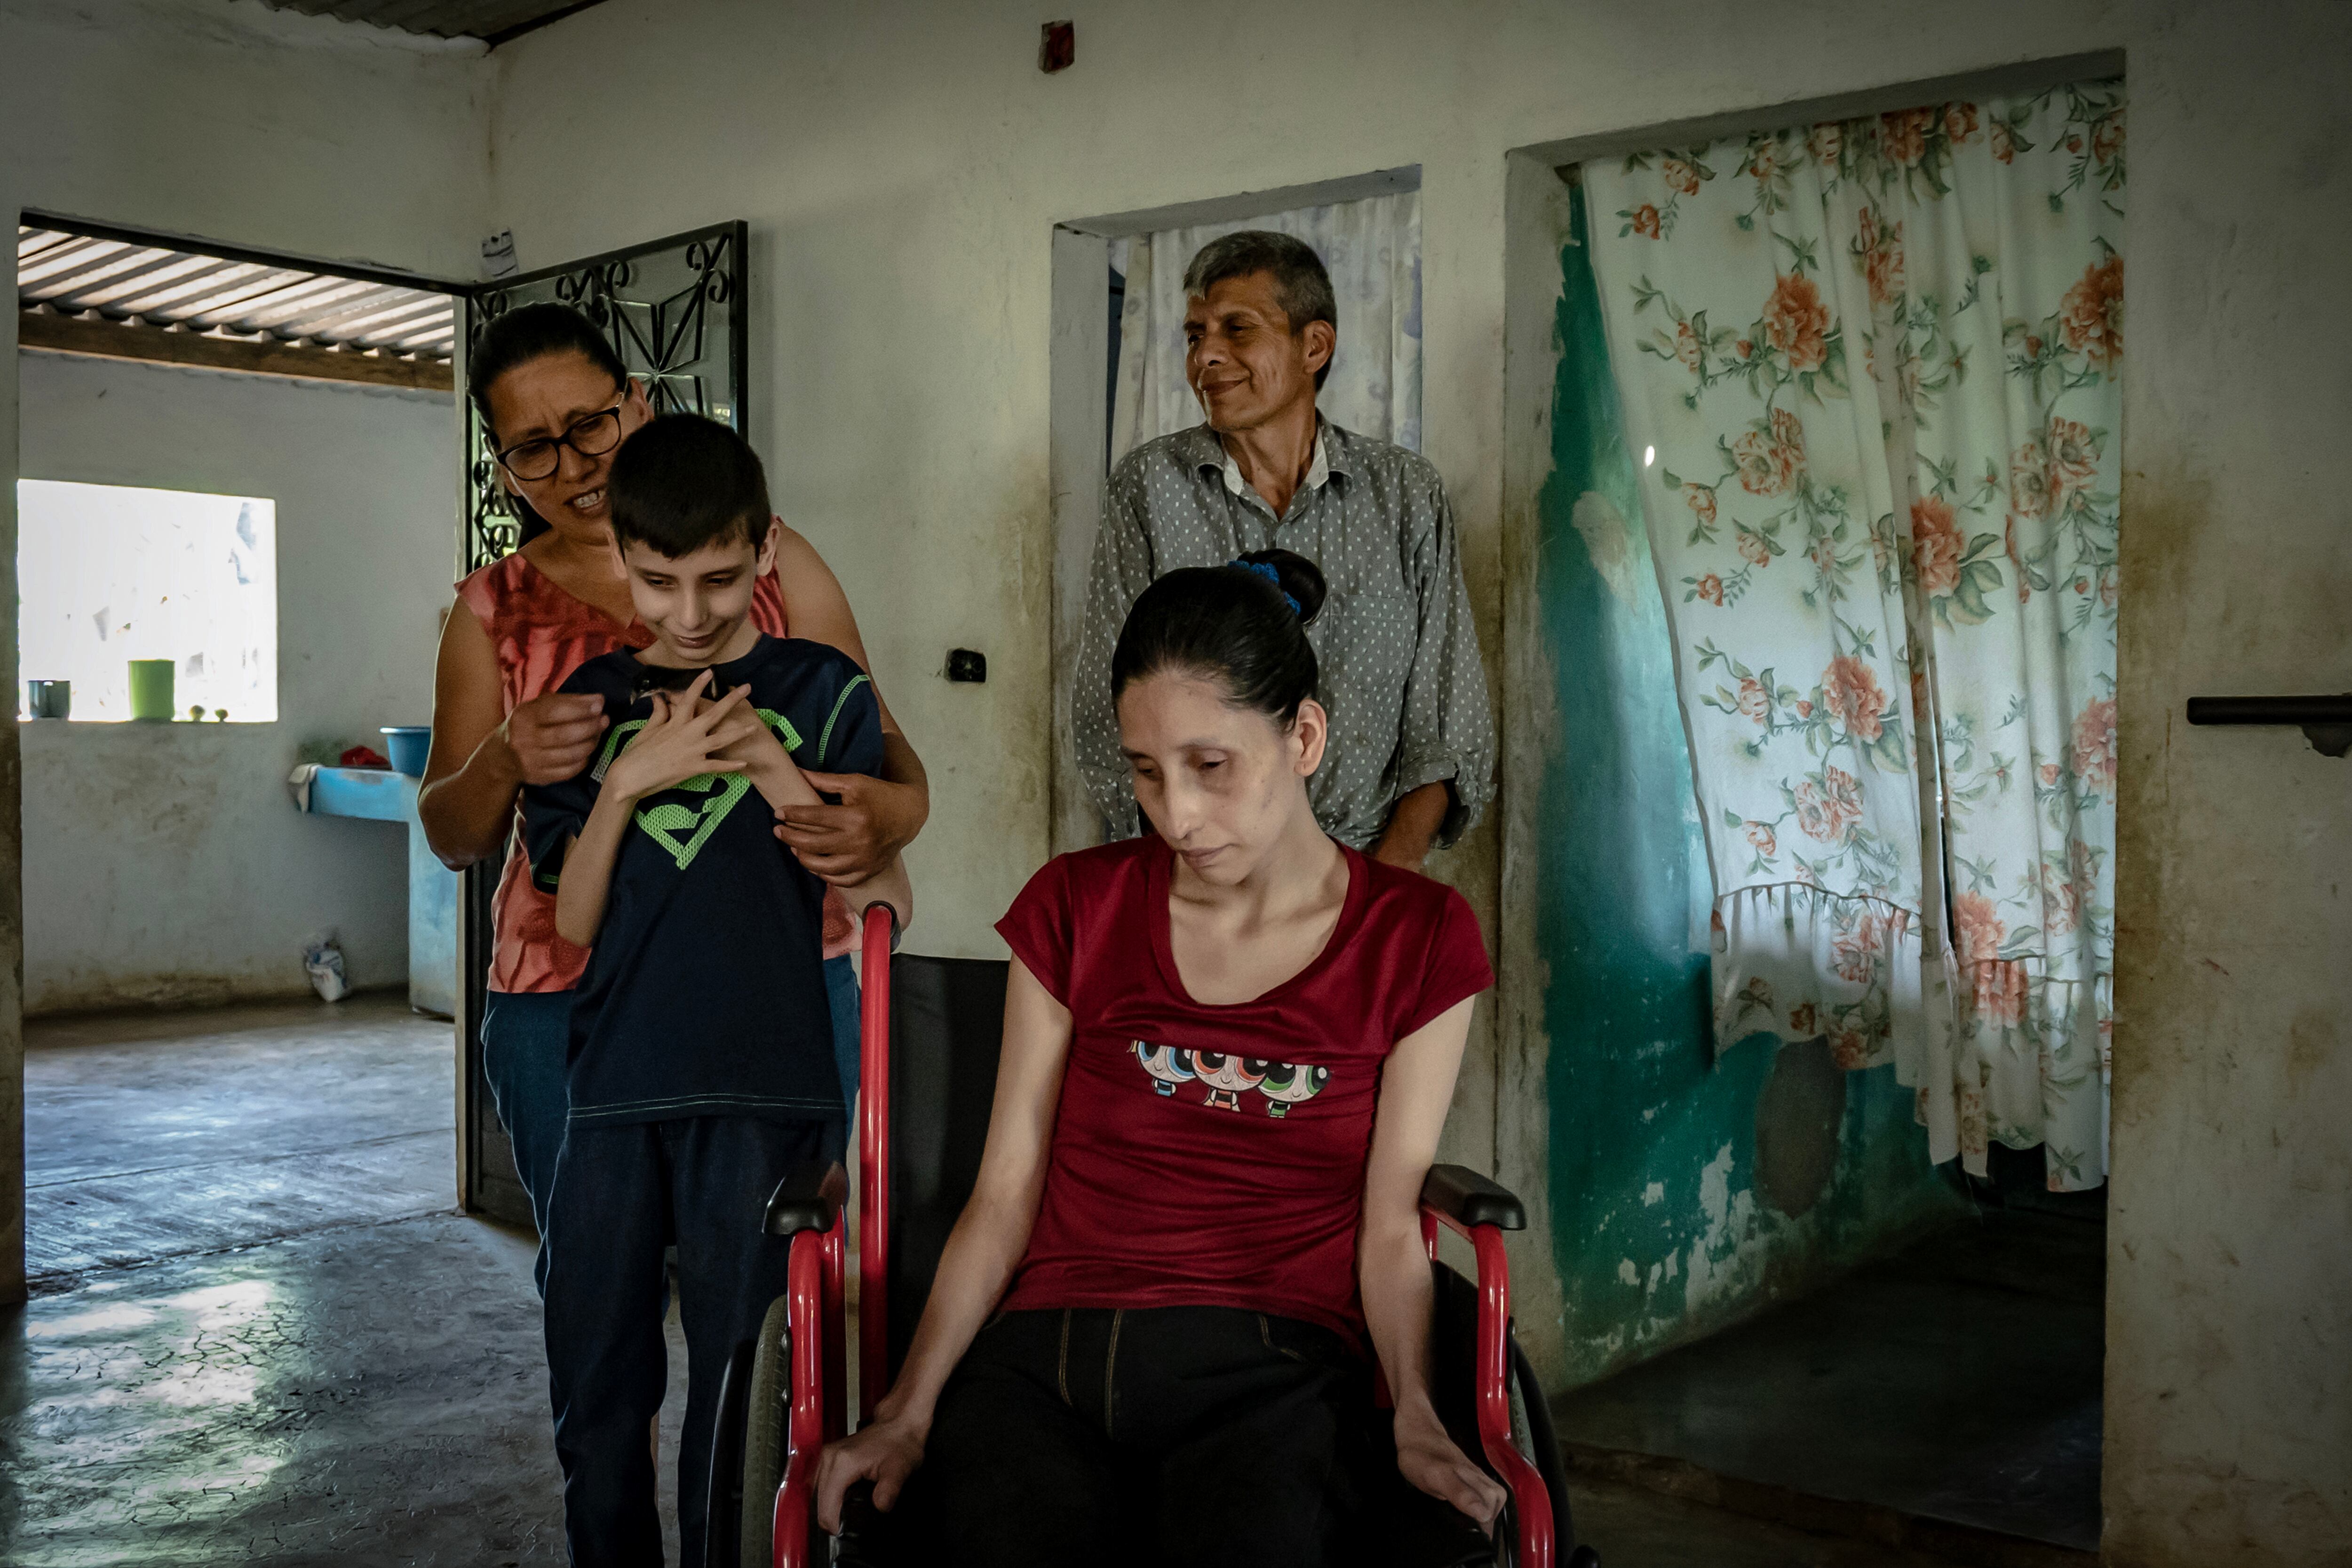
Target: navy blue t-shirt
<point>705,992</point>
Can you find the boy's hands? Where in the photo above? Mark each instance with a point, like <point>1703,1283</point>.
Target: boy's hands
<point>761,747</point>
<point>685,737</point>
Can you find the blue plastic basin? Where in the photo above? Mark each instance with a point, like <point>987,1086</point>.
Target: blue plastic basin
<point>407,745</point>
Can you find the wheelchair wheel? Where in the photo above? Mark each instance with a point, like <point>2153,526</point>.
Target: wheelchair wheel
<point>764,1448</point>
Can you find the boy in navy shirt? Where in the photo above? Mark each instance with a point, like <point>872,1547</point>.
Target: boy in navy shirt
<point>701,1057</point>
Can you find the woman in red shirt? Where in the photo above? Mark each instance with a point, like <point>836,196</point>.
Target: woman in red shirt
<point>1228,1053</point>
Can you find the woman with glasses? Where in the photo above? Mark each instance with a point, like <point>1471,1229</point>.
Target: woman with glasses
<point>557,403</point>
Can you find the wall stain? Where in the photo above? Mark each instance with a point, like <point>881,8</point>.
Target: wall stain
<point>1797,1117</point>
<point>2311,1042</point>
<point>2157,566</point>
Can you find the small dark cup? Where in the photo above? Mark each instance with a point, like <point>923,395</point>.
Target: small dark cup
<point>49,699</point>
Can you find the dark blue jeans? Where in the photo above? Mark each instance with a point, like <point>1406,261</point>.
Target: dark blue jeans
<point>622,1194</point>
<point>526,1037</point>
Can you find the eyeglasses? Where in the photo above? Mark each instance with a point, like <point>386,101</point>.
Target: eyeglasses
<point>539,458</point>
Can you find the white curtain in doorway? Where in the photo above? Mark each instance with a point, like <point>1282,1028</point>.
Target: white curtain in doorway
<point>1372,250</point>
<point>1877,365</point>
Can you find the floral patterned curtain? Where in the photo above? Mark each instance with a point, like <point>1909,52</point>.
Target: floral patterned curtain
<point>1877,363</point>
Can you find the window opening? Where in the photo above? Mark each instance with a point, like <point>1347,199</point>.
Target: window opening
<point>110,573</point>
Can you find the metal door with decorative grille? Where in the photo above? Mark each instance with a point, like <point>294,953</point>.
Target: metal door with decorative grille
<point>675,311</point>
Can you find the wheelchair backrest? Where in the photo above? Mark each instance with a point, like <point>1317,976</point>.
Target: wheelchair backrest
<point>947,1026</point>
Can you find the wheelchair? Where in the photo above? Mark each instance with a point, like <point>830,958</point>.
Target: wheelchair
<point>930,1034</point>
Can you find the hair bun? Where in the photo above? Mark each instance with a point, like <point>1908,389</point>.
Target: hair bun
<point>1242,625</point>
<point>1301,580</point>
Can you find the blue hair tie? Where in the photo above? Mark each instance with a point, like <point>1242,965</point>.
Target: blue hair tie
<point>1271,575</point>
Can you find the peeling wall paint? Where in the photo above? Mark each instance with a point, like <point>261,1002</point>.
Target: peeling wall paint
<point>1661,1227</point>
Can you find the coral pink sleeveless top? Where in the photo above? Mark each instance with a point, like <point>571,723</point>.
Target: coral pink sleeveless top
<point>541,634</point>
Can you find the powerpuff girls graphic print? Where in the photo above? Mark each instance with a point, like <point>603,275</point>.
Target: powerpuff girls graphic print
<point>1214,1155</point>
<point>1284,1084</point>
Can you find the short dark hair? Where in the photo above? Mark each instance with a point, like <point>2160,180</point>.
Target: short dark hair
<point>1301,287</point>
<point>1243,625</point>
<point>530,332</point>
<point>683,481</point>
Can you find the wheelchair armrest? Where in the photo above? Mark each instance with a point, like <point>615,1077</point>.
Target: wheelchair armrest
<point>1467,1198</point>
<point>810,1198</point>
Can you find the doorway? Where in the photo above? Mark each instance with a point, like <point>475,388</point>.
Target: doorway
<point>233,526</point>
<point>1775,1298</point>
<point>1101,309</point>
<point>248,1265</point>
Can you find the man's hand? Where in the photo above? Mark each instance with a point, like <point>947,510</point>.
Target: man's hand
<point>854,841</point>
<point>685,738</point>
<point>553,736</point>
<point>1412,825</point>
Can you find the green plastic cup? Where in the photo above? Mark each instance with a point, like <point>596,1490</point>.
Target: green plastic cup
<point>151,688</point>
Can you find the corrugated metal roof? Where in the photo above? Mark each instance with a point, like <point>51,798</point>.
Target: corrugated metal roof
<point>125,280</point>
<point>492,21</point>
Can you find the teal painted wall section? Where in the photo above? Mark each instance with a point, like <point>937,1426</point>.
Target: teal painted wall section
<point>1665,1228</point>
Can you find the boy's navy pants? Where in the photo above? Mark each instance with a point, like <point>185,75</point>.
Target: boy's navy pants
<point>526,1041</point>
<point>621,1196</point>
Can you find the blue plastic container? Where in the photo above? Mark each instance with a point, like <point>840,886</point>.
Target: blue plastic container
<point>407,745</point>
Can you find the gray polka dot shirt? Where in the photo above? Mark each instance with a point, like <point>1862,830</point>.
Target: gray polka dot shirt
<point>1398,652</point>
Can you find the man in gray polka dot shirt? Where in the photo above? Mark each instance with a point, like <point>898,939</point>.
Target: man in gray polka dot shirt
<point>1411,755</point>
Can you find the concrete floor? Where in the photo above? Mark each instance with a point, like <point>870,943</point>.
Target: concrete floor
<point>261,1335</point>
<point>163,1135</point>
<point>1958,1384</point>
<point>365,1394</point>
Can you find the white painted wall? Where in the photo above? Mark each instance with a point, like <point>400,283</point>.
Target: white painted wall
<point>166,864</point>
<point>223,120</point>
<point>902,168</point>
<point>2228,1408</point>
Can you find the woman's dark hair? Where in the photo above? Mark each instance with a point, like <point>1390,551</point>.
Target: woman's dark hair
<point>528,332</point>
<point>1243,625</point>
<point>682,481</point>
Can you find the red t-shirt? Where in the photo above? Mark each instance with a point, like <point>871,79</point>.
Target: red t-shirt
<point>1214,1155</point>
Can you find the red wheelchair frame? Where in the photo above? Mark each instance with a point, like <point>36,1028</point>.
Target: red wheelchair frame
<point>810,1211</point>
<point>816,1304</point>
